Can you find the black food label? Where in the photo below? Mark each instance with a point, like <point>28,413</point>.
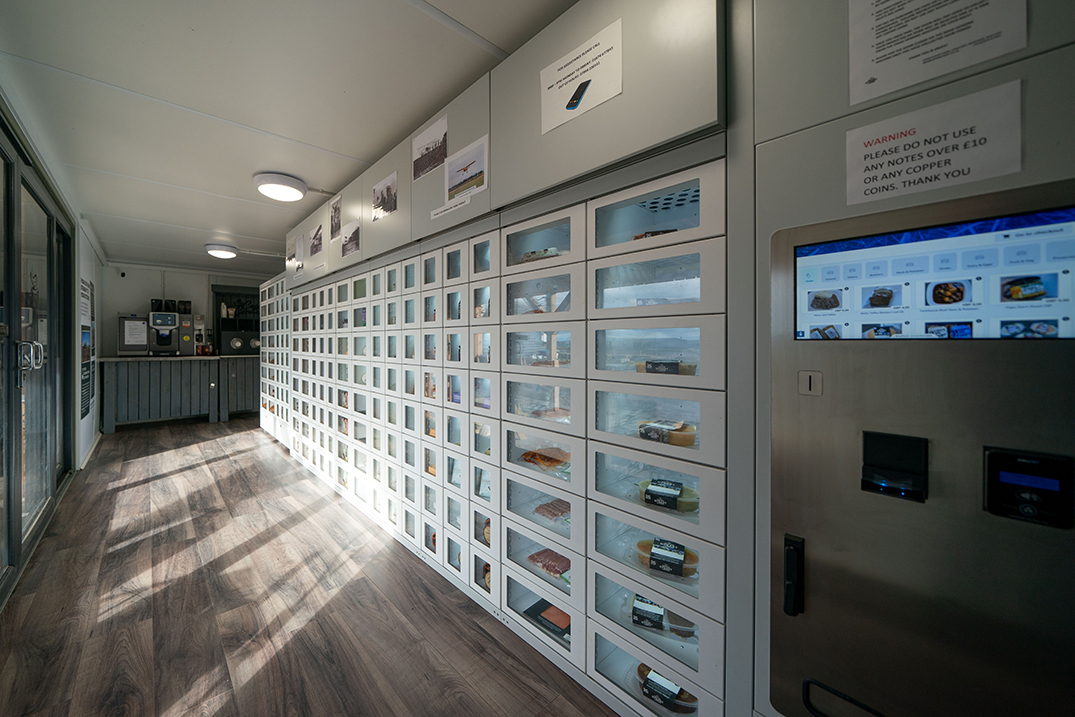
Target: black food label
<point>660,690</point>
<point>664,493</point>
<point>667,557</point>
<point>647,613</point>
<point>662,367</point>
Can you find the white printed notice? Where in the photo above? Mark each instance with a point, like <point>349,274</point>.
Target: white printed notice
<point>590,74</point>
<point>898,43</point>
<point>964,140</point>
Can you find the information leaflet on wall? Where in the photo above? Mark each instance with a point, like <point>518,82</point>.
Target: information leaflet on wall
<point>1006,277</point>
<point>964,140</point>
<point>897,43</point>
<point>590,74</point>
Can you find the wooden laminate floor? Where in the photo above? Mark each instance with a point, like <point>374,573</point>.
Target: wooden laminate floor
<point>196,569</point>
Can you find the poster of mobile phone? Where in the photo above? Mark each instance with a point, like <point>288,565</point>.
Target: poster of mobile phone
<point>590,74</point>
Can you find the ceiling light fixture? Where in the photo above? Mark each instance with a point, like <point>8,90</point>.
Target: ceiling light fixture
<point>281,187</point>
<point>222,251</point>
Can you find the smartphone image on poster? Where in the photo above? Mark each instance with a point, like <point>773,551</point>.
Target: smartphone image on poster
<point>577,97</point>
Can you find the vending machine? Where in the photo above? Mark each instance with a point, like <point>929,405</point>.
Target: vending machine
<point>922,549</point>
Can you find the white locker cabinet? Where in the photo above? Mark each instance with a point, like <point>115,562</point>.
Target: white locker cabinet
<point>377,286</point>
<point>624,542</point>
<point>553,513</point>
<point>484,439</point>
<point>430,274</point>
<point>553,458</point>
<point>675,632</point>
<point>360,427</point>
<point>456,557</point>
<point>534,554</point>
<point>393,479</point>
<point>621,478</point>
<point>393,279</point>
<point>614,663</point>
<point>393,440</point>
<point>410,272</point>
<point>431,389</point>
<point>411,527</point>
<point>485,256</point>
<point>545,614</point>
<point>377,345</point>
<point>555,294</point>
<point>556,404</point>
<point>360,346</point>
<point>456,347</point>
<point>411,308</point>
<point>678,208</point>
<point>360,316</point>
<point>343,343</point>
<point>645,418</point>
<point>683,351</point>
<point>485,301</point>
<point>456,266</point>
<point>484,526</point>
<point>432,462</point>
<point>457,311</point>
<point>670,281</point>
<point>412,454</point>
<point>343,318</point>
<point>484,578</point>
<point>456,424</point>
<point>485,348</point>
<point>412,420</point>
<point>431,349</point>
<point>377,316</point>
<point>393,350</point>
<point>411,385</point>
<point>432,541</point>
<point>545,349</point>
<point>456,516</point>
<point>432,502</point>
<point>432,425</point>
<point>412,342</point>
<point>456,472</point>
<point>360,288</point>
<point>412,489</point>
<point>393,381</point>
<point>393,314</point>
<point>377,378</point>
<point>432,308</point>
<point>393,513</point>
<point>550,240</point>
<point>485,393</point>
<point>484,486</point>
<point>343,294</point>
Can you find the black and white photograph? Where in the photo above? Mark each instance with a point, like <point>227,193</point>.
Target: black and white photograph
<point>334,218</point>
<point>315,241</point>
<point>350,238</point>
<point>430,148</point>
<point>466,171</point>
<point>384,197</point>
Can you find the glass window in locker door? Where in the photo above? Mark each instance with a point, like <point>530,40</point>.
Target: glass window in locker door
<point>656,419</point>
<point>482,299</point>
<point>482,257</point>
<point>673,280</point>
<point>547,402</point>
<point>455,467</point>
<point>541,455</point>
<point>651,350</point>
<point>538,611</point>
<point>538,507</point>
<point>483,484</point>
<point>539,348</point>
<point>673,492</point>
<point>545,295</point>
<point>541,242</point>
<point>453,263</point>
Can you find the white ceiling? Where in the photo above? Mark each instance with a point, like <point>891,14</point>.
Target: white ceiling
<point>153,117</point>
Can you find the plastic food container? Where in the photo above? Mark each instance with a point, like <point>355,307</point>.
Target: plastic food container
<point>690,558</point>
<point>686,503</point>
<point>658,431</point>
<point>673,624</point>
<point>685,369</point>
<point>684,704</point>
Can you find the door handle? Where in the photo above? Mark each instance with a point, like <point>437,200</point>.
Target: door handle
<point>794,580</point>
<point>38,355</point>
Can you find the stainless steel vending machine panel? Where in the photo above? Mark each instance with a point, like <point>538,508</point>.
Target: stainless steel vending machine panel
<point>922,556</point>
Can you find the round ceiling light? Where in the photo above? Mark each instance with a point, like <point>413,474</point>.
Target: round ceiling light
<point>281,187</point>
<point>222,251</point>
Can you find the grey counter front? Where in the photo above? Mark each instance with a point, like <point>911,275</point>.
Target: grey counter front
<point>147,388</point>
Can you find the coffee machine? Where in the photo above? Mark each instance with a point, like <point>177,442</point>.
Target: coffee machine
<point>171,328</point>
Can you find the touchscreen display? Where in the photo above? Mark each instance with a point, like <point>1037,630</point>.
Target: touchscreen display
<point>1003,278</point>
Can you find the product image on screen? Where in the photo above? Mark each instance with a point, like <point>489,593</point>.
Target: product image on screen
<point>1008,277</point>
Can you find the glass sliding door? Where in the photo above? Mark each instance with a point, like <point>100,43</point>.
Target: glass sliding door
<point>5,175</point>
<point>37,386</point>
